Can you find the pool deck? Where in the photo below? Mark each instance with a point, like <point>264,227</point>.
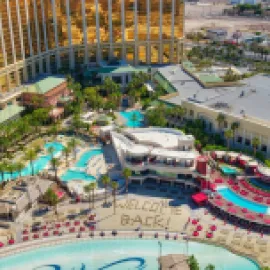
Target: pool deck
<point>161,212</point>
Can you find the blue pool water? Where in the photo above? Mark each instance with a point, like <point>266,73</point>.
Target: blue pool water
<point>72,175</point>
<point>229,195</point>
<point>260,184</point>
<point>228,170</point>
<point>128,118</point>
<point>81,163</point>
<point>39,164</point>
<point>121,255</point>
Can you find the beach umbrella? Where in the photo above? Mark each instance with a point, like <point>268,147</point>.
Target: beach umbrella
<point>92,228</point>
<point>67,224</point>
<point>194,221</point>
<point>209,235</point>
<point>218,197</point>
<point>213,227</point>
<point>244,210</point>
<point>25,232</point>
<point>195,233</point>
<point>72,229</point>
<point>25,238</point>
<point>45,234</point>
<point>36,236</point>
<point>266,221</point>
<point>232,210</point>
<point>199,228</point>
<point>77,222</point>
<point>1,244</point>
<point>82,229</point>
<point>11,241</point>
<point>250,216</point>
<point>218,203</point>
<point>230,204</point>
<point>55,232</point>
<point>57,225</point>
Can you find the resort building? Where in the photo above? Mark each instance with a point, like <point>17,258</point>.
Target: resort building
<point>19,196</point>
<point>47,92</point>
<point>204,96</point>
<point>48,36</point>
<point>161,154</point>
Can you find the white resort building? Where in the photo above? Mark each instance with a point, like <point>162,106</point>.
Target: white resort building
<point>161,154</point>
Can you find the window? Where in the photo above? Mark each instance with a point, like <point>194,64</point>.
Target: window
<point>225,124</point>
<point>247,142</point>
<point>264,148</point>
<point>191,113</point>
<point>239,139</point>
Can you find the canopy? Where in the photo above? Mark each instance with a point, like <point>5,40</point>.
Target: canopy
<point>199,198</point>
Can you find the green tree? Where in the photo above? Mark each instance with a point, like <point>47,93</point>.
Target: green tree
<point>193,263</point>
<point>156,117</point>
<point>66,151</point>
<point>93,186</point>
<point>105,181</point>
<point>55,162</point>
<point>255,144</point>
<point>228,136</point>
<point>220,120</point>
<point>234,127</point>
<point>19,167</point>
<point>11,168</point>
<point>50,151</point>
<point>51,198</point>
<point>114,186</point>
<point>73,144</point>
<point>109,86</point>
<point>127,173</point>
<point>88,189</point>
<point>3,168</point>
<point>30,156</point>
<point>210,267</point>
<point>134,119</point>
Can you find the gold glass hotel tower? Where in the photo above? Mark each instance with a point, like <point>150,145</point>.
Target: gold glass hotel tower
<point>45,36</point>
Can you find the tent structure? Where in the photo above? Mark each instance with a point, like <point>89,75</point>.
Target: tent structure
<point>199,198</point>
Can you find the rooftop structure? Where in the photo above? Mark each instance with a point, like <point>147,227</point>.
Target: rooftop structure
<point>16,197</point>
<point>246,103</point>
<point>10,112</point>
<point>156,152</point>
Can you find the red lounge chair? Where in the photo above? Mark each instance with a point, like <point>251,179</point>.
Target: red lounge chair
<point>209,235</point>
<point>1,244</point>
<point>25,232</point>
<point>36,236</point>
<point>199,228</point>
<point>67,224</point>
<point>82,229</point>
<point>55,232</point>
<point>76,223</point>
<point>45,234</point>
<point>213,227</point>
<point>92,228</point>
<point>57,225</point>
<point>194,221</point>
<point>195,233</point>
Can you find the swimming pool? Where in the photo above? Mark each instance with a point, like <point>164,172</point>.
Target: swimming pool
<point>128,118</point>
<point>72,175</point>
<point>228,170</point>
<point>76,172</point>
<point>229,195</point>
<point>84,159</point>
<point>121,255</point>
<point>39,164</point>
<point>260,184</point>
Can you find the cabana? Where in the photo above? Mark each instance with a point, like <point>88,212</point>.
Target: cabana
<point>199,198</point>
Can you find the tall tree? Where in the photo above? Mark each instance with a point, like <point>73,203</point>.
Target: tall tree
<point>228,136</point>
<point>93,186</point>
<point>51,198</point>
<point>3,169</point>
<point>50,151</point>
<point>55,162</point>
<point>66,151</point>
<point>19,167</point>
<point>114,186</point>
<point>127,173</point>
<point>105,181</point>
<point>134,119</point>
<point>88,189</point>
<point>234,127</point>
<point>73,144</point>
<point>255,144</point>
<point>220,120</point>
<point>30,156</point>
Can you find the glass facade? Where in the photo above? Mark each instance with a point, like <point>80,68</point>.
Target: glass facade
<point>48,35</point>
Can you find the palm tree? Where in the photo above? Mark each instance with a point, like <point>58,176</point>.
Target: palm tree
<point>228,135</point>
<point>55,162</point>
<point>72,144</point>
<point>3,168</point>
<point>51,198</point>
<point>105,181</point>
<point>114,186</point>
<point>127,173</point>
<point>66,152</point>
<point>31,155</point>
<point>134,119</point>
<point>93,186</point>
<point>50,151</point>
<point>220,119</point>
<point>19,167</point>
<point>255,144</point>
<point>88,190</point>
<point>234,127</point>
<point>10,169</point>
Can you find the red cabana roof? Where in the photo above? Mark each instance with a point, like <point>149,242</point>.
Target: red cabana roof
<point>199,198</point>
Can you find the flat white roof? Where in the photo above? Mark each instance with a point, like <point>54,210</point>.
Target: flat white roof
<point>161,152</point>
